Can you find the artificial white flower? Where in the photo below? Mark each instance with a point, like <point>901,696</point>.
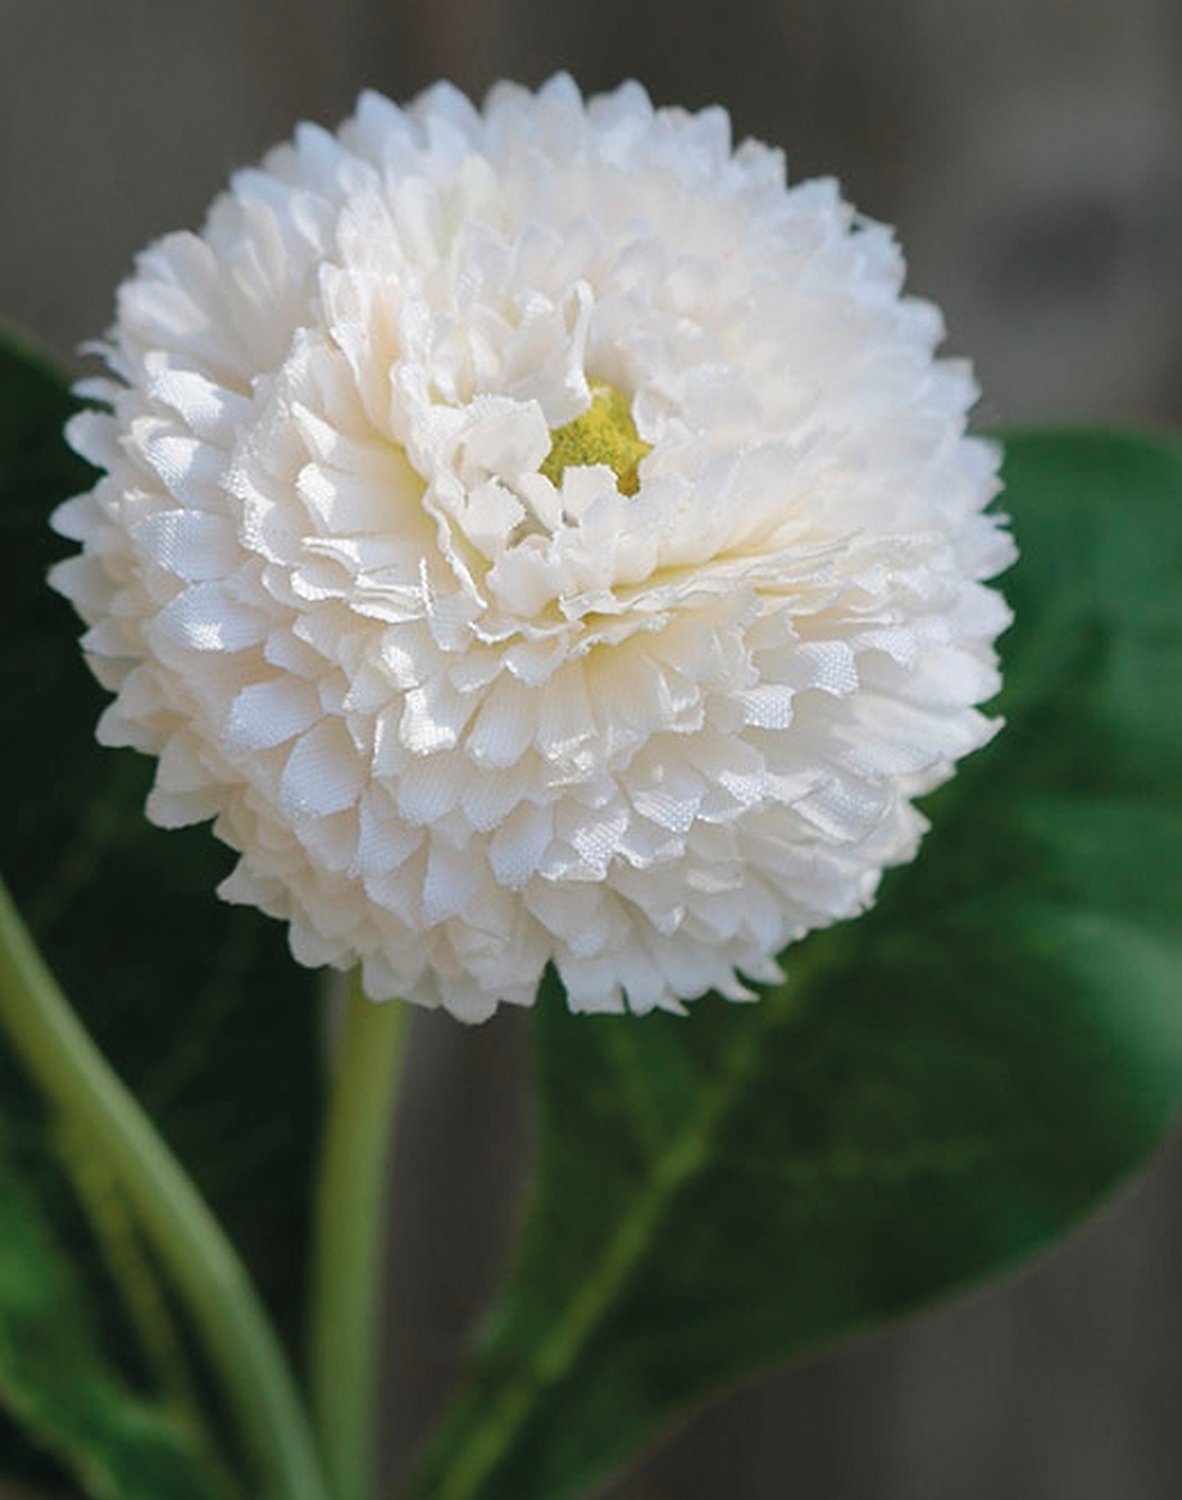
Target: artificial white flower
<point>537,534</point>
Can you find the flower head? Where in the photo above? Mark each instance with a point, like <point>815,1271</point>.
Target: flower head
<point>535,535</point>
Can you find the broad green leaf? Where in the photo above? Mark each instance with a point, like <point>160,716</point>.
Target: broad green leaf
<point>196,1003</point>
<point>55,1380</point>
<point>939,1090</point>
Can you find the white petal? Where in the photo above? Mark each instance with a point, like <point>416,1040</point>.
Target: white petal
<point>270,713</point>
<point>211,617</point>
<point>519,843</point>
<point>192,544</point>
<point>323,773</point>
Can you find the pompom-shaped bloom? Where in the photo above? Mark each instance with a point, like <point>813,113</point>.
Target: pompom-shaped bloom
<point>538,535</point>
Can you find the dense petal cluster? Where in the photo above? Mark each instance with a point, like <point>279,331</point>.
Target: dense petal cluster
<point>537,534</point>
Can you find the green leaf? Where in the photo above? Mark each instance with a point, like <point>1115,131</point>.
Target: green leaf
<point>196,1003</point>
<point>940,1089</point>
<point>56,1381</point>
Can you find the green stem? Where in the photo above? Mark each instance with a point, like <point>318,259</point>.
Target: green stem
<point>120,1241</point>
<point>189,1241</point>
<point>350,1238</point>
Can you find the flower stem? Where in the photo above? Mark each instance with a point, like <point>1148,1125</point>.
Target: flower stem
<point>120,1241</point>
<point>190,1243</point>
<point>350,1237</point>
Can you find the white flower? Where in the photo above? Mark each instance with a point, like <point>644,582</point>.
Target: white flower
<point>538,535</point>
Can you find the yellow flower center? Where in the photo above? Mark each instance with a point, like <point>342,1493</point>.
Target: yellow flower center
<point>604,434</point>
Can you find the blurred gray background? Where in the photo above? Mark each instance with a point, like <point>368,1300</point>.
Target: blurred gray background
<point>1030,152</point>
